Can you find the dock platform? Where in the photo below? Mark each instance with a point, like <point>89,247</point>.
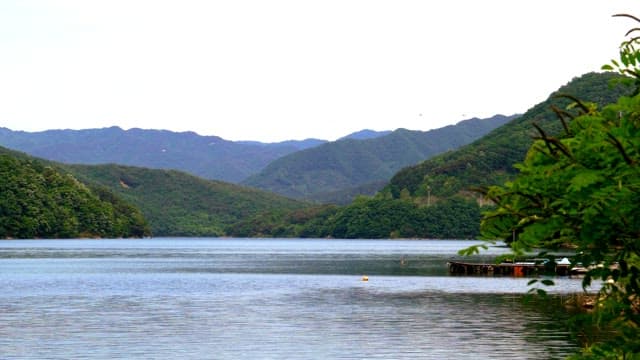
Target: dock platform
<point>508,269</point>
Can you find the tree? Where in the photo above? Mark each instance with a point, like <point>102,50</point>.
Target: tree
<point>582,188</point>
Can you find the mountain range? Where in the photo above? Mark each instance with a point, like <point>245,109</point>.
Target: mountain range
<point>209,157</point>
<point>335,172</point>
<point>352,167</point>
<point>46,199</point>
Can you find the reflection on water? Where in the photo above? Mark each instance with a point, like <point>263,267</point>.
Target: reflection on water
<point>248,299</point>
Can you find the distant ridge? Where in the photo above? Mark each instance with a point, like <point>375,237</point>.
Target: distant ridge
<point>297,144</point>
<point>210,157</point>
<point>366,134</point>
<point>335,167</point>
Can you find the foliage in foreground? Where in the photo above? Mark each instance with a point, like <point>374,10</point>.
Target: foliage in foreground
<point>582,188</point>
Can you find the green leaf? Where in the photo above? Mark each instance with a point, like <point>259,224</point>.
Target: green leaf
<point>585,179</point>
<point>547,282</point>
<point>471,250</point>
<point>623,58</point>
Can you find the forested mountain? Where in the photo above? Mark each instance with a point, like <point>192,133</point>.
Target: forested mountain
<point>369,218</point>
<point>490,160</point>
<point>346,196</point>
<point>179,204</point>
<point>432,199</point>
<point>326,170</point>
<point>39,201</point>
<point>210,157</point>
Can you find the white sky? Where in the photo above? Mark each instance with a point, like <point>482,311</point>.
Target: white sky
<point>272,70</point>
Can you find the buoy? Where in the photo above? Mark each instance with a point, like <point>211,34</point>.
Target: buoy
<point>365,278</point>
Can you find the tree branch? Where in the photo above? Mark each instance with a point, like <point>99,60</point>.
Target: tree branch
<point>627,15</point>
<point>632,30</point>
<point>618,145</point>
<point>574,99</point>
<point>558,144</point>
<point>561,114</point>
<point>543,136</point>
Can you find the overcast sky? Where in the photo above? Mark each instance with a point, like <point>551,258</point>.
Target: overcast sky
<point>272,70</point>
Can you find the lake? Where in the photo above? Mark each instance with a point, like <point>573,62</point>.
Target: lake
<point>266,299</point>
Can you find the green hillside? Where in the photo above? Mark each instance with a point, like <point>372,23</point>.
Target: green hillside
<point>179,204</point>
<point>347,195</point>
<point>341,167</point>
<point>369,218</point>
<point>39,201</point>
<point>490,160</point>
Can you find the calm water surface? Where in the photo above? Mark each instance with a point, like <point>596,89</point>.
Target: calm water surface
<point>265,299</point>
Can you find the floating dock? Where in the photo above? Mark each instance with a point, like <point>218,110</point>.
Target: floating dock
<point>509,269</point>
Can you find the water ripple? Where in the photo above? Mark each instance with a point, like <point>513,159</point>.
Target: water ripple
<point>86,300</point>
